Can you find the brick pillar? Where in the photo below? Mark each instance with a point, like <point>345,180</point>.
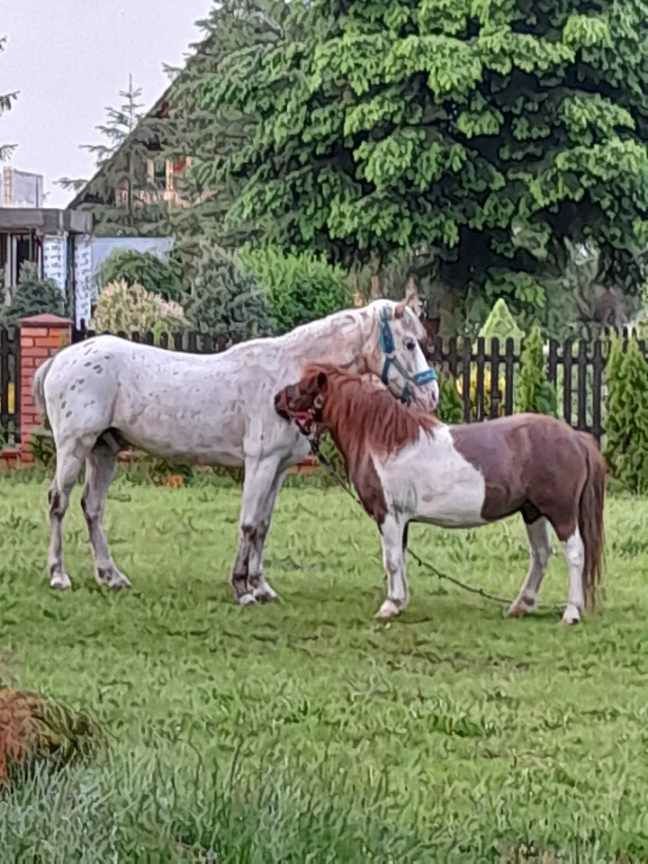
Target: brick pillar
<point>41,336</point>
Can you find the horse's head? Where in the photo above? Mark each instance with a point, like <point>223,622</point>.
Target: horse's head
<point>303,401</point>
<point>397,358</point>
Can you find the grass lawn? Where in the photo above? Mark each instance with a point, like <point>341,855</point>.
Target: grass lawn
<point>306,731</point>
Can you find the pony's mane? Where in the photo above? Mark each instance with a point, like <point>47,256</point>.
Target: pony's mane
<point>363,415</point>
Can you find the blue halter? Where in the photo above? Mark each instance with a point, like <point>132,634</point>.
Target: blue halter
<point>388,347</point>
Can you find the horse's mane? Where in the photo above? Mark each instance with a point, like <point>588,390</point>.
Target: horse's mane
<point>364,416</point>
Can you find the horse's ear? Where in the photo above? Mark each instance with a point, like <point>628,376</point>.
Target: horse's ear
<point>412,298</point>
<point>399,311</point>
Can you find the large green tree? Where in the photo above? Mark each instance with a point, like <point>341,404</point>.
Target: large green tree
<point>481,134</point>
<point>204,129</point>
<point>6,101</point>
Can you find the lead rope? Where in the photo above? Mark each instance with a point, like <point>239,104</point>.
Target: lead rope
<point>486,595</point>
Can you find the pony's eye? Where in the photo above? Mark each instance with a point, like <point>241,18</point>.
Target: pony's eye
<point>410,344</point>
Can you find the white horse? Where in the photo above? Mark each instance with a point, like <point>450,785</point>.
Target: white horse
<point>213,409</point>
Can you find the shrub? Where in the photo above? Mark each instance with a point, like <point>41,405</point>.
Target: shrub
<point>128,308</point>
<point>501,324</point>
<point>450,402</point>
<point>34,296</point>
<point>501,383</point>
<point>626,444</point>
<point>145,269</point>
<point>534,392</point>
<point>225,301</point>
<point>299,288</point>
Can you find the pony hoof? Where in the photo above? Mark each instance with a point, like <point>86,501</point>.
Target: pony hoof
<point>519,610</point>
<point>388,610</point>
<point>246,600</point>
<point>265,595</point>
<point>60,582</point>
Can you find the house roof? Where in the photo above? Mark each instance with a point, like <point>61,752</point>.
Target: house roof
<point>44,220</point>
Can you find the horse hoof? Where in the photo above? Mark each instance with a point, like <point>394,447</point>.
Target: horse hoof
<point>246,600</point>
<point>517,610</point>
<point>113,579</point>
<point>60,582</point>
<point>571,616</point>
<point>388,610</point>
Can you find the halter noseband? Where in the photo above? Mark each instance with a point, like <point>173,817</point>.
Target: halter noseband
<point>388,347</point>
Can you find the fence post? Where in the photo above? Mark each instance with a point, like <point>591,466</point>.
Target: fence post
<point>41,336</point>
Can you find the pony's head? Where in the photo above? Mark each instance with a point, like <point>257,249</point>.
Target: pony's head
<point>303,401</point>
<point>397,358</point>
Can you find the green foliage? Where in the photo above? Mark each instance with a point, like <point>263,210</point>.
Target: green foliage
<point>451,409</point>
<point>129,308</point>
<point>626,439</point>
<point>145,269</point>
<point>533,391</point>
<point>34,296</point>
<point>299,288</point>
<point>483,135</point>
<point>6,101</point>
<point>225,301</point>
<point>501,325</point>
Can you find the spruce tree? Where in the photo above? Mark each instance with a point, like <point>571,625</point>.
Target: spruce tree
<point>626,439</point>
<point>534,392</point>
<point>124,198</point>
<point>6,101</point>
<point>451,409</point>
<point>226,302</point>
<point>33,296</point>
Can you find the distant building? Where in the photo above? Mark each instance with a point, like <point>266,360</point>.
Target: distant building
<point>20,188</point>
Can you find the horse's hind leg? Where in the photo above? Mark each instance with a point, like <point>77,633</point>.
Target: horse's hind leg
<point>69,459</point>
<point>540,552</point>
<point>100,470</point>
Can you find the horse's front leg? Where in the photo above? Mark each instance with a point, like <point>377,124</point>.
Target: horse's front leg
<point>259,493</point>
<point>392,534</point>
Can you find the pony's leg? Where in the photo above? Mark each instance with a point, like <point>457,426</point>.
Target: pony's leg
<point>540,552</point>
<point>261,589</point>
<point>69,459</point>
<point>100,470</point>
<point>575,555</point>
<point>260,476</point>
<point>394,563</point>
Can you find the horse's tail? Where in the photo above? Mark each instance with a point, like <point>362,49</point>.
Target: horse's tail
<point>38,389</point>
<point>590,521</point>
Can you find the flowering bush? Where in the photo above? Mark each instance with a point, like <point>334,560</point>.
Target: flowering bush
<point>123,307</point>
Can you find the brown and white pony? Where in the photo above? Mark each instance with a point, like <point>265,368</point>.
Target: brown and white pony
<point>408,466</point>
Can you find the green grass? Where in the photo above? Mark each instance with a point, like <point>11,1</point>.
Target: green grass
<point>306,731</point>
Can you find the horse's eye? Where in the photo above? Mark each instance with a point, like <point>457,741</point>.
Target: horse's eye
<point>410,344</point>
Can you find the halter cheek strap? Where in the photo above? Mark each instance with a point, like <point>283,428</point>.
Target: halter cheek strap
<point>388,347</point>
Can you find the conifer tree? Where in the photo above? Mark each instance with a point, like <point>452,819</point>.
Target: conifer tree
<point>626,439</point>
<point>33,296</point>
<point>451,409</point>
<point>534,392</point>
<point>226,302</point>
<point>124,198</point>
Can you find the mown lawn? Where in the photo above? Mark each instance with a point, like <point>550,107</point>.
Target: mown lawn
<point>306,731</point>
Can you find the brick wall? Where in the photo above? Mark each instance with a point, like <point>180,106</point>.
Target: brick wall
<point>41,336</point>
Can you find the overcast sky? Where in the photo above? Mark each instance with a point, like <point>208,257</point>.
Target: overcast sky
<point>69,59</point>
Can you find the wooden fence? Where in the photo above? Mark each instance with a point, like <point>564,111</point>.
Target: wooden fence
<point>9,385</point>
<point>486,373</point>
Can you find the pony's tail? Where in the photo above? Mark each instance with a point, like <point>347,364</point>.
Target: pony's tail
<point>38,389</point>
<point>590,522</point>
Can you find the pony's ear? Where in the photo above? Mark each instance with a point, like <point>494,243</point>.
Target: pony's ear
<point>399,311</point>
<point>322,382</point>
